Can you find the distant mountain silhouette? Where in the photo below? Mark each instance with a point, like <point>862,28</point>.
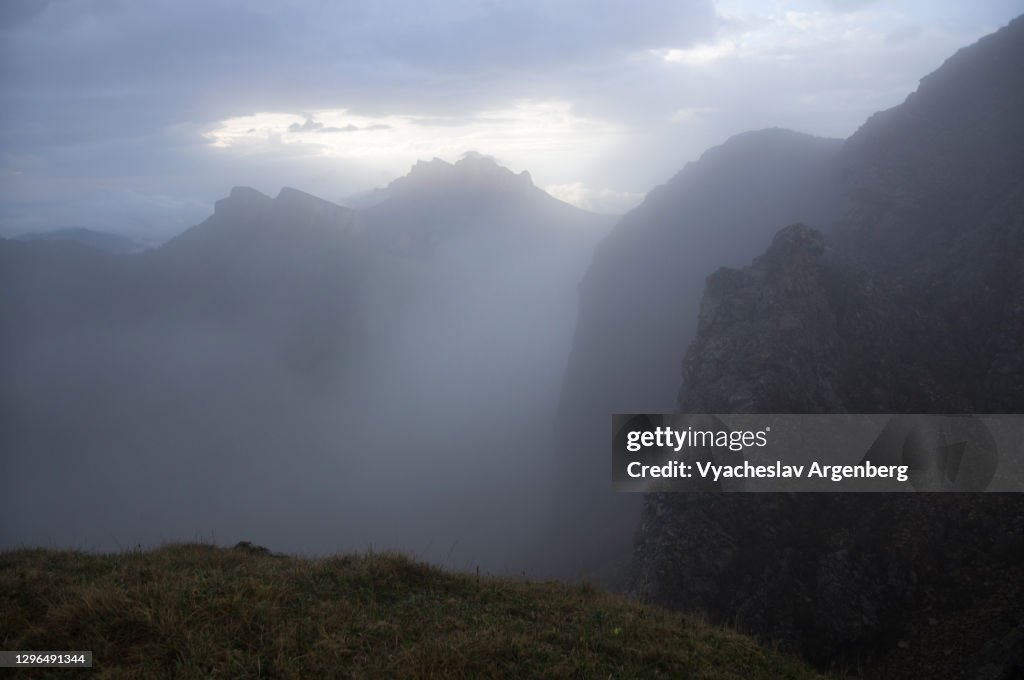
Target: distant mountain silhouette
<point>100,240</point>
<point>442,199</point>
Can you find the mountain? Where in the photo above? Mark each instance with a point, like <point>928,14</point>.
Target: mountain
<point>297,371</point>
<point>477,301</point>
<point>638,307</point>
<point>115,244</point>
<point>476,193</point>
<point>911,302</point>
<point>495,256</point>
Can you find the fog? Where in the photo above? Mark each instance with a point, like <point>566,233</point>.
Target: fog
<point>300,376</point>
<point>431,373</point>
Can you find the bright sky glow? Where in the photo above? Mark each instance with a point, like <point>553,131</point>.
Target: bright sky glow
<point>541,131</point>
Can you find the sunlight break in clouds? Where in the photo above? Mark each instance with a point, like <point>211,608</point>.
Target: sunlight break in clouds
<point>608,201</point>
<point>699,55</point>
<point>543,136</point>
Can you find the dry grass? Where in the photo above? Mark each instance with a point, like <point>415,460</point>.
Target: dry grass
<point>194,611</point>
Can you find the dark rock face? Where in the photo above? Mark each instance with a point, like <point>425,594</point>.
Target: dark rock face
<point>838,578</point>
<point>790,334</point>
<point>842,580</point>
<point>915,307</point>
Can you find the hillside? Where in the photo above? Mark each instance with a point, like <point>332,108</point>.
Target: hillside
<point>201,611</point>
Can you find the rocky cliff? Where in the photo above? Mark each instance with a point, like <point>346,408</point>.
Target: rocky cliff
<point>840,578</point>
<point>914,304</point>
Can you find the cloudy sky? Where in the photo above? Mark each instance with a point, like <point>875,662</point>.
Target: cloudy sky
<point>134,116</point>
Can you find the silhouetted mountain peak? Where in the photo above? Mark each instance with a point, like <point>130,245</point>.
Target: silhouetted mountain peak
<point>241,200</point>
<point>247,203</point>
<point>474,173</point>
<point>293,195</point>
<point>765,147</point>
<point>790,177</point>
<point>299,209</point>
<point>294,198</point>
<point>249,216</point>
<point>247,194</point>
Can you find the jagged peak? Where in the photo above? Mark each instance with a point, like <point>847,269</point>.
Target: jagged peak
<point>246,203</point>
<point>241,198</point>
<point>473,171</point>
<point>243,193</point>
<point>433,165</point>
<point>287,193</point>
<point>289,196</point>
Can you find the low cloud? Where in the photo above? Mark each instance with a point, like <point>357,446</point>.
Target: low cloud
<point>316,126</point>
<point>309,126</point>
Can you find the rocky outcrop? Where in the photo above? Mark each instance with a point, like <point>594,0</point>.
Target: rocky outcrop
<point>790,335</point>
<point>839,578</point>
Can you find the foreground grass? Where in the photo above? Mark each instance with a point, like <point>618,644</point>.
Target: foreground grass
<point>202,611</point>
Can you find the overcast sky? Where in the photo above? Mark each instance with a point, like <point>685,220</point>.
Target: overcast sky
<point>135,116</point>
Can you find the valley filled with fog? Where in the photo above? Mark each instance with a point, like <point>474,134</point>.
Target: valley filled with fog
<point>300,375</point>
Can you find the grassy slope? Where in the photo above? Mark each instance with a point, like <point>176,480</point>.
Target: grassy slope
<point>201,611</point>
